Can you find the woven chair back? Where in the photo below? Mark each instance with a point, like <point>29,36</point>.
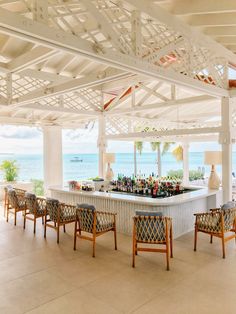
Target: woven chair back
<point>229,218</point>
<point>85,218</point>
<point>13,198</point>
<point>150,229</point>
<point>31,202</point>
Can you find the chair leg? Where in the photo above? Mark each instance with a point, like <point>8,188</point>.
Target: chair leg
<point>45,226</point>
<point>64,228</point>
<point>211,239</point>
<point>15,217</point>
<point>42,220</point>
<point>75,235</point>
<point>34,224</point>
<point>7,213</point>
<point>94,243</point>
<point>134,251</point>
<point>195,239</point>
<point>115,239</point>
<point>136,248</point>
<point>223,245</point>
<point>58,231</point>
<point>24,220</point>
<point>167,256</point>
<point>171,244</point>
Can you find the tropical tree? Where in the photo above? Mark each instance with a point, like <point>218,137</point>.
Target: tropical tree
<point>139,147</point>
<point>156,146</point>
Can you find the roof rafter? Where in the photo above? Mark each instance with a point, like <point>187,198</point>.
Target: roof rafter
<point>175,132</point>
<point>197,99</point>
<point>37,54</point>
<point>155,11</point>
<point>22,27</point>
<point>186,7</point>
<point>72,85</point>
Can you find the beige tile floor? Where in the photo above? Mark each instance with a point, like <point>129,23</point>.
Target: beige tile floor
<point>38,276</point>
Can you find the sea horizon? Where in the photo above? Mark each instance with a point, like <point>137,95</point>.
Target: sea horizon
<point>31,165</point>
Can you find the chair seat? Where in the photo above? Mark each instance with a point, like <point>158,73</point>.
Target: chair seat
<point>67,216</point>
<point>104,226</point>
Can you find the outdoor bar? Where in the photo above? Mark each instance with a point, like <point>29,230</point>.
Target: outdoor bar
<point>117,156</point>
<point>180,207</point>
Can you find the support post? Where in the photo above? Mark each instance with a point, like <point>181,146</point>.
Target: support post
<point>185,164</point>
<point>52,157</point>
<point>102,145</point>
<point>135,160</point>
<point>225,139</point>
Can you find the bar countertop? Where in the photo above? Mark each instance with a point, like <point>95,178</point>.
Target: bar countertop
<point>196,193</point>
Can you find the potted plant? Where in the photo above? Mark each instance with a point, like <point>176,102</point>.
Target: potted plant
<point>10,170</point>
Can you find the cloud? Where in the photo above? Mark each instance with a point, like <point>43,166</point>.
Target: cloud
<point>89,133</point>
<point>19,132</point>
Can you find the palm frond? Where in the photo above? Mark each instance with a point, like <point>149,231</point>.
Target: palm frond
<point>166,147</point>
<point>155,145</point>
<point>139,147</point>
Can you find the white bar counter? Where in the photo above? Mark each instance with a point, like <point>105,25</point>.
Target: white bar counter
<point>180,207</point>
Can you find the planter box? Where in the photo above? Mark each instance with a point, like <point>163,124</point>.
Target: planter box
<point>28,186</point>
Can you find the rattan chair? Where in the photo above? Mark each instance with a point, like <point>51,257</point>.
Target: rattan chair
<point>15,202</point>
<point>6,189</point>
<point>35,208</point>
<point>57,215</point>
<point>93,222</point>
<point>216,223</point>
<point>152,228</point>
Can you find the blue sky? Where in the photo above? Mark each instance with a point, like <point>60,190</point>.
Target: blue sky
<point>29,140</point>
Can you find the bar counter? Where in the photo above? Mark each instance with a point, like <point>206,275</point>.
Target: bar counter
<point>179,207</point>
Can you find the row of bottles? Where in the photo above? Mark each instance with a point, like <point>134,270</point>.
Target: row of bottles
<point>148,186</point>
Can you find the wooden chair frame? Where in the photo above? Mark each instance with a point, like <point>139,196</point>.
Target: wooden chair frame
<point>14,210</point>
<point>94,234</point>
<point>168,250</point>
<point>58,223</point>
<point>6,200</point>
<point>28,215</point>
<point>220,234</point>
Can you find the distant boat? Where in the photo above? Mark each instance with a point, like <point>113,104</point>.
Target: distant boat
<point>76,159</point>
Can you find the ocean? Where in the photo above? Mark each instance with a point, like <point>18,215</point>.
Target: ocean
<point>31,166</point>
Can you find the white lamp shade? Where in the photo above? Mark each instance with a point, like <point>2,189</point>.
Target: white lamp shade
<point>213,158</point>
<point>109,158</point>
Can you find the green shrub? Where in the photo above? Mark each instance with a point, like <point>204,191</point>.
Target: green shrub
<point>38,187</point>
<point>10,170</point>
<point>175,173</point>
<point>193,174</point>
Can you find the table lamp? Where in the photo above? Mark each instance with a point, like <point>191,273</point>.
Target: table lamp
<point>213,158</point>
<point>109,158</point>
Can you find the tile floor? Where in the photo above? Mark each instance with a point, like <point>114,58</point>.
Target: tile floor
<point>38,276</point>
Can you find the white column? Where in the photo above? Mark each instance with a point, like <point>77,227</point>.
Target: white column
<point>225,140</point>
<point>102,145</point>
<point>52,156</point>
<point>185,164</point>
<point>135,160</point>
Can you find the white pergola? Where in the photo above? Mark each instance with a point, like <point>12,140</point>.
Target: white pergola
<point>145,70</point>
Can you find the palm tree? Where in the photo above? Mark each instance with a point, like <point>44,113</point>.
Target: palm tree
<point>156,146</point>
<point>138,146</point>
